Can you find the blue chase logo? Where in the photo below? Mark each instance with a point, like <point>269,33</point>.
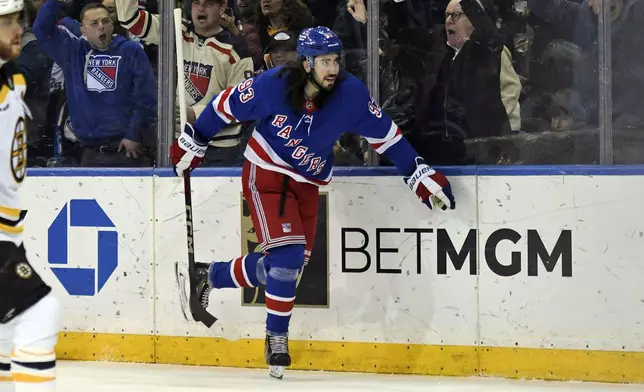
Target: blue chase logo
<point>82,214</point>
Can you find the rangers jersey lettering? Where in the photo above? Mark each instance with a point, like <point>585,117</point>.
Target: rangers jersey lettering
<point>13,153</point>
<point>300,144</point>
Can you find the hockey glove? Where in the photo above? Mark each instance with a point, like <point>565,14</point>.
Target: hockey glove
<point>187,151</point>
<point>432,187</point>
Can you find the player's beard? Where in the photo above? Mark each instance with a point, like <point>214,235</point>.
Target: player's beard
<point>324,92</point>
<point>9,51</point>
<point>320,83</point>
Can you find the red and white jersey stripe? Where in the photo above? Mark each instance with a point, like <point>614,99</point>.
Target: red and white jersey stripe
<point>259,152</point>
<point>221,105</point>
<point>383,144</point>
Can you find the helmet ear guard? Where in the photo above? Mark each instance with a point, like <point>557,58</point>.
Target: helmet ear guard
<point>311,59</point>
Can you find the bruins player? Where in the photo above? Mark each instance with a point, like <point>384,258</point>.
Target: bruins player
<point>29,314</point>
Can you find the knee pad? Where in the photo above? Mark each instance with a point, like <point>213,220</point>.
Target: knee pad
<point>260,271</point>
<point>6,344</point>
<point>284,263</point>
<point>35,336</point>
<point>39,325</point>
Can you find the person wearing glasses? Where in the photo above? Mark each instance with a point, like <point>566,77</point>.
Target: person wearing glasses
<point>477,89</point>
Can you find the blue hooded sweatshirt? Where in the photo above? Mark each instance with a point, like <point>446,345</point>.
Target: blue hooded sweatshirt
<point>111,94</point>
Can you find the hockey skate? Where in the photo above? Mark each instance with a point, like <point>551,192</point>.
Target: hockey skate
<point>277,356</point>
<point>202,287</point>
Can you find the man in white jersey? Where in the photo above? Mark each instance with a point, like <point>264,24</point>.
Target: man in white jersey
<point>29,314</point>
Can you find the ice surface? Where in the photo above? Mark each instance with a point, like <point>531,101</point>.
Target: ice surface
<point>121,377</point>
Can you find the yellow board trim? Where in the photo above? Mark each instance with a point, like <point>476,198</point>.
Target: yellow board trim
<point>546,364</point>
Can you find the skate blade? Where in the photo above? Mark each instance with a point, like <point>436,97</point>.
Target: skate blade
<point>276,371</point>
<point>181,281</point>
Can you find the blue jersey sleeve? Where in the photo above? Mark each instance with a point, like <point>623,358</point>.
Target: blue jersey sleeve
<point>248,101</point>
<point>381,131</point>
<point>58,44</point>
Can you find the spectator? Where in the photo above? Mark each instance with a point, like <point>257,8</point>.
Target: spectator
<point>214,59</point>
<point>245,25</point>
<point>351,26</point>
<point>111,91</point>
<point>411,48</point>
<point>324,11</point>
<point>73,26</point>
<point>36,66</point>
<point>111,8</point>
<point>580,19</point>
<point>476,92</point>
<point>280,50</point>
<point>278,15</point>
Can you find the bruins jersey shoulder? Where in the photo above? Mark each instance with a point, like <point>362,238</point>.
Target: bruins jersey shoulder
<point>13,151</point>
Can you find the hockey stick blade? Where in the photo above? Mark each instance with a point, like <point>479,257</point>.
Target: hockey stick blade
<point>198,312</point>
<point>181,280</point>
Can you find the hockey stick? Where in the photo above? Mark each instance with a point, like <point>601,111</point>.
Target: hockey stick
<point>178,43</point>
<point>198,312</point>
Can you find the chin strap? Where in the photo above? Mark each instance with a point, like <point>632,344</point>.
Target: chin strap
<point>310,75</point>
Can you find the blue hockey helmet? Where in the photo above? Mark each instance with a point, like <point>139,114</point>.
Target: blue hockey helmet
<point>317,41</point>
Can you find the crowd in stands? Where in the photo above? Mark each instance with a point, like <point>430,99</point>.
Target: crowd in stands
<point>468,82</point>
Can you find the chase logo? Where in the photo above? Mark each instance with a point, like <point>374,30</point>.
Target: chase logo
<point>74,217</point>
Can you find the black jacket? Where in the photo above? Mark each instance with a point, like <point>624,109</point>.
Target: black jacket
<point>467,99</point>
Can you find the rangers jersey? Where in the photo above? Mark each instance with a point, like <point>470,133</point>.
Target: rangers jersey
<point>13,152</point>
<point>210,64</point>
<point>300,144</point>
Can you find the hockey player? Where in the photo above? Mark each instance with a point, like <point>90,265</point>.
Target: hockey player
<point>29,314</point>
<point>300,111</point>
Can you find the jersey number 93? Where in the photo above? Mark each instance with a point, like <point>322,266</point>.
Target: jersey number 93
<point>375,109</point>
<point>246,92</point>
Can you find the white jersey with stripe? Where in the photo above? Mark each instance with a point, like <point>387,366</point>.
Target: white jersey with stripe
<point>13,153</point>
<point>210,65</point>
<point>299,143</point>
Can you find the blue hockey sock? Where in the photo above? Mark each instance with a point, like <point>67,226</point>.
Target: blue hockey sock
<point>240,272</point>
<point>280,300</point>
